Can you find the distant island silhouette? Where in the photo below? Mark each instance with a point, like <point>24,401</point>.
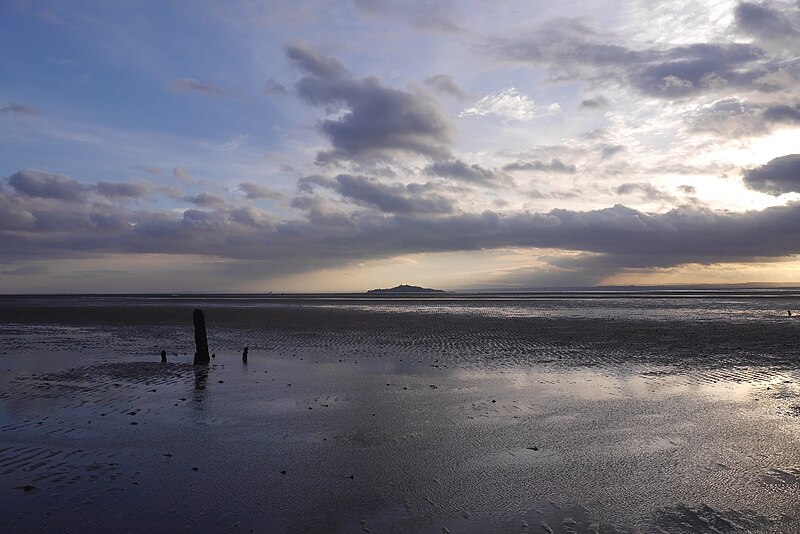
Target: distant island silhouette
<point>405,288</point>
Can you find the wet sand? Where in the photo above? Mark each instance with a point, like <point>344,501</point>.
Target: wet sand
<point>398,419</point>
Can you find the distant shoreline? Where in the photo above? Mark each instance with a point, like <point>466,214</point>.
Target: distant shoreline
<point>728,293</point>
<point>404,289</point>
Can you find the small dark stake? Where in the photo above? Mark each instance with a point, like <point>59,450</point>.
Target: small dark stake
<point>163,356</point>
<point>201,357</point>
<point>244,354</point>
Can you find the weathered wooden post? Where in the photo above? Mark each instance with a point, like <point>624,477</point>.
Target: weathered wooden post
<point>163,356</point>
<point>244,355</point>
<point>201,356</point>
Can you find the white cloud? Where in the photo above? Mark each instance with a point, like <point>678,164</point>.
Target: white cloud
<point>508,104</point>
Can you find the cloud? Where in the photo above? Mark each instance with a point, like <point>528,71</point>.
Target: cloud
<point>46,185</point>
<point>255,191</point>
<point>763,21</point>
<point>251,217</point>
<point>555,165</point>
<point>423,16</point>
<point>315,64</point>
<point>699,67</point>
<point>395,198</point>
<point>445,83</point>
<point>437,24</point>
<point>598,102</point>
<point>119,190</point>
<point>398,219</point>
<point>729,117</point>
<point>508,104</point>
<point>148,169</point>
<point>206,200</point>
<point>573,50</point>
<point>645,190</point>
<point>459,170</point>
<point>376,121</point>
<point>609,151</point>
<point>182,174</point>
<point>733,118</point>
<point>783,113</point>
<point>19,109</point>
<point>190,84</point>
<point>778,176</point>
<point>29,270</point>
<point>274,88</point>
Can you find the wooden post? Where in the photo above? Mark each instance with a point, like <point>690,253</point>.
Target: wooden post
<point>201,356</point>
<point>163,356</point>
<point>244,355</point>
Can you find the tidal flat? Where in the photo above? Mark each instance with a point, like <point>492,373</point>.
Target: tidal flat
<point>474,414</point>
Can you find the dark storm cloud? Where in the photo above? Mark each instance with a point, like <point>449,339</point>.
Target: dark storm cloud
<point>119,190</point>
<point>688,234</point>
<point>780,175</point>
<point>459,170</point>
<point>377,120</point>
<point>190,84</point>
<point>764,21</point>
<point>400,222</point>
<point>19,109</point>
<point>395,198</point>
<point>555,165</point>
<point>574,51</point>
<point>445,83</point>
<point>46,185</point>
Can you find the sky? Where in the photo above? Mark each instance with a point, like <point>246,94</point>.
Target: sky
<point>281,145</point>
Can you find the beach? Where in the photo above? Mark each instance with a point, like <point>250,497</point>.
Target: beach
<point>625,413</point>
